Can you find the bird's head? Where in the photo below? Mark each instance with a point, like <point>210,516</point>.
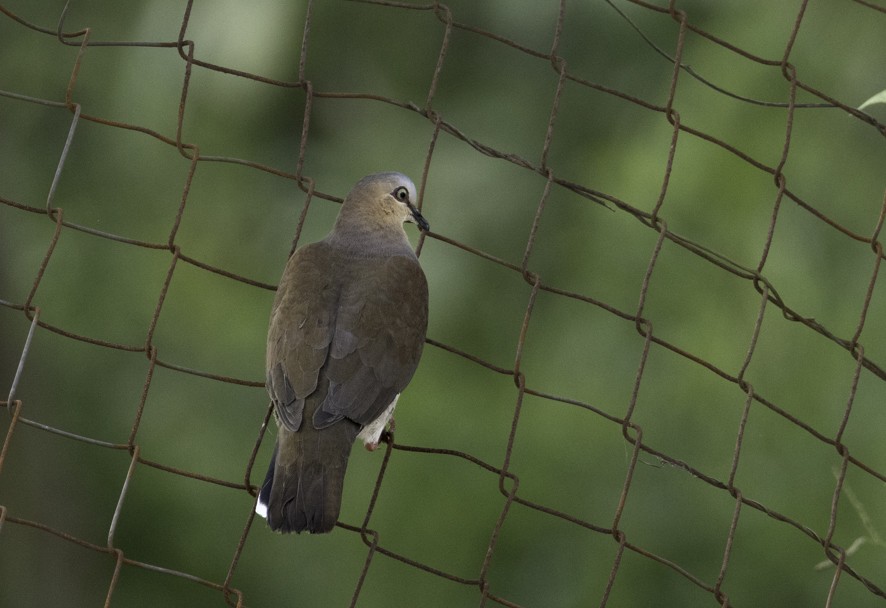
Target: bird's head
<point>386,198</point>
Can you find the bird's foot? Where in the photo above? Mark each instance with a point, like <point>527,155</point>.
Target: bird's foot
<point>387,436</point>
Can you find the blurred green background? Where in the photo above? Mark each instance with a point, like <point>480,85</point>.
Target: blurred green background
<point>436,509</point>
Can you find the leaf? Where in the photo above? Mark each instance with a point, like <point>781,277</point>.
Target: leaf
<point>878,98</point>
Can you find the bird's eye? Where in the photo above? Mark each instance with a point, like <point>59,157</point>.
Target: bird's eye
<point>401,194</point>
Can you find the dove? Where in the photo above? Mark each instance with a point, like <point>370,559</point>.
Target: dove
<point>346,334</point>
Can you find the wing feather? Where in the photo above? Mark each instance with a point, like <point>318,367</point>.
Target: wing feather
<point>360,323</point>
<point>384,316</point>
<point>301,330</point>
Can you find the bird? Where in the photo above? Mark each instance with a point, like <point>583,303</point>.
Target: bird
<point>345,337</point>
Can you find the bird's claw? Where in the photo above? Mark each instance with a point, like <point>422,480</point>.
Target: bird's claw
<point>387,436</point>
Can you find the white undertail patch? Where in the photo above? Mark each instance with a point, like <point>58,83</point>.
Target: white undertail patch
<point>371,433</point>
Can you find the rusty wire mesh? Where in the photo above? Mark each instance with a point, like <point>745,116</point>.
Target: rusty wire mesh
<point>622,558</point>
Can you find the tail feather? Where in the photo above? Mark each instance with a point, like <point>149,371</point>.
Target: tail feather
<point>303,488</point>
<point>264,496</point>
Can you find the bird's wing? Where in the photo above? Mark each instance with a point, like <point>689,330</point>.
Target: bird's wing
<point>301,330</point>
<point>359,322</point>
<point>379,332</point>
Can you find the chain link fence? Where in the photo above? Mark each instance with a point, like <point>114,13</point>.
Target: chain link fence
<point>654,372</point>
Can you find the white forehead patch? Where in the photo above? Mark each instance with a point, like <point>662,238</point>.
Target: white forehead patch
<point>390,181</point>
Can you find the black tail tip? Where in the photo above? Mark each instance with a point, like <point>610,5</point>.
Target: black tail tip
<point>293,520</point>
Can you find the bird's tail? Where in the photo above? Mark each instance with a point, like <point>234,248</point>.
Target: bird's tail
<point>302,490</point>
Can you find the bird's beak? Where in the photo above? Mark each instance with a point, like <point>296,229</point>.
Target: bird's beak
<point>419,219</point>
